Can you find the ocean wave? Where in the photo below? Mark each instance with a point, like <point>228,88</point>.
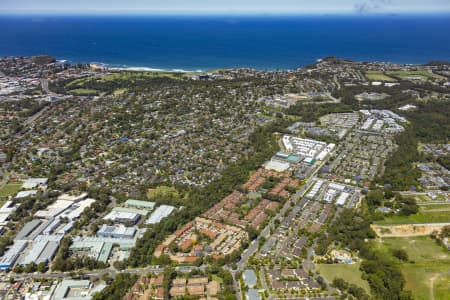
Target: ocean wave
<point>147,69</point>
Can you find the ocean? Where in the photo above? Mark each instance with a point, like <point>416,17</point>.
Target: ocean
<point>204,43</point>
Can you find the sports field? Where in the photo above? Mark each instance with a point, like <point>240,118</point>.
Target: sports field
<point>422,73</point>
<point>349,273</point>
<point>378,76</point>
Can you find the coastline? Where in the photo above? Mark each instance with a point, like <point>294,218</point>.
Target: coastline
<point>144,68</point>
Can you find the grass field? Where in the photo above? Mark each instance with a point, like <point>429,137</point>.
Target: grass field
<point>10,189</point>
<point>350,273</point>
<point>217,278</point>
<point>162,191</point>
<point>139,75</point>
<point>427,273</point>
<point>83,92</point>
<point>378,76</point>
<point>423,73</point>
<point>441,287</point>
<point>438,213</point>
<point>120,92</point>
<point>430,208</point>
<point>124,76</point>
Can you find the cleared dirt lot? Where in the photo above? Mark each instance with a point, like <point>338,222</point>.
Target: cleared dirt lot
<point>406,230</point>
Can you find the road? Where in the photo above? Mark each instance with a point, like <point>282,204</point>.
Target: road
<point>97,273</point>
<point>249,252</point>
<point>34,117</point>
<point>265,233</point>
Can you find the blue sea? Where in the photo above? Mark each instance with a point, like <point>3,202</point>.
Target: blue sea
<point>202,43</point>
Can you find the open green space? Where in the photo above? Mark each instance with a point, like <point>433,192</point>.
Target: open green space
<point>162,191</point>
<point>217,278</point>
<point>378,76</point>
<point>349,273</point>
<point>427,272</point>
<point>439,213</point>
<point>83,92</point>
<point>430,208</point>
<point>441,286</point>
<point>10,189</point>
<point>123,76</point>
<point>139,75</point>
<point>423,73</point>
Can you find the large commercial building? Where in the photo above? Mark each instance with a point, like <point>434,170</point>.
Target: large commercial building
<point>32,183</point>
<point>147,205</point>
<point>27,229</point>
<point>76,209</point>
<point>5,212</point>
<point>24,194</point>
<point>304,147</point>
<point>123,217</point>
<point>66,206</point>
<point>118,232</point>
<point>8,260</point>
<point>99,248</point>
<point>76,290</point>
<point>160,213</point>
<point>43,249</point>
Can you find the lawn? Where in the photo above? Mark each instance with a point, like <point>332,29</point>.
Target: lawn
<point>130,76</point>
<point>430,208</point>
<point>349,273</point>
<point>217,278</point>
<point>162,192</point>
<point>119,92</point>
<point>441,287</point>
<point>378,76</point>
<point>139,75</point>
<point>83,92</point>
<point>439,213</point>
<point>10,189</point>
<point>423,73</point>
<point>428,267</point>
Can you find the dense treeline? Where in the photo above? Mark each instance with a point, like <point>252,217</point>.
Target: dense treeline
<point>352,229</point>
<point>405,205</point>
<point>444,161</point>
<point>117,289</point>
<point>428,124</point>
<point>431,122</point>
<point>312,112</point>
<point>350,288</point>
<point>400,172</point>
<point>383,274</point>
<point>65,262</point>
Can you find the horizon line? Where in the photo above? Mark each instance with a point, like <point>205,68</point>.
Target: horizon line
<point>223,14</point>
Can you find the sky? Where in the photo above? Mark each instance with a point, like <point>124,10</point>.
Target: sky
<point>130,7</point>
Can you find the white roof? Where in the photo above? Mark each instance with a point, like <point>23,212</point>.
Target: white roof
<point>54,209</point>
<point>277,166</point>
<point>23,194</point>
<point>342,198</point>
<point>160,213</point>
<point>34,182</point>
<point>77,208</point>
<point>113,215</point>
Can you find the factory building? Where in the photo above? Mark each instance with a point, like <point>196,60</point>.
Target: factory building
<point>159,214</point>
<point>123,217</point>
<point>118,232</point>
<point>8,260</point>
